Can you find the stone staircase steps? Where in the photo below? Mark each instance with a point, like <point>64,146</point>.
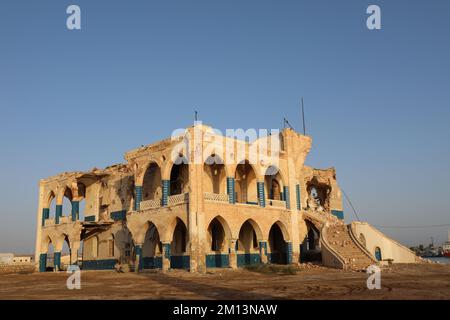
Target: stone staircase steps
<point>339,239</point>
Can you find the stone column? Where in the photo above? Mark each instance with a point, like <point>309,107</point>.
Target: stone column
<point>42,262</point>
<point>231,190</point>
<point>287,197</point>
<point>166,256</point>
<point>261,194</point>
<point>41,216</point>
<point>59,213</point>
<point>165,192</point>
<point>45,215</point>
<point>297,193</point>
<point>74,247</point>
<point>289,252</point>
<point>233,255</point>
<point>137,202</point>
<point>57,261</point>
<point>263,251</point>
<point>75,210</point>
<point>138,259</point>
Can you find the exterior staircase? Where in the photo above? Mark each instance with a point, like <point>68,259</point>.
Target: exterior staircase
<point>346,249</point>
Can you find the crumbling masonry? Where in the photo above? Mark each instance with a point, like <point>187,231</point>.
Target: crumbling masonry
<point>154,212</point>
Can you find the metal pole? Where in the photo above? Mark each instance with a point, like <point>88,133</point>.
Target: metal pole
<point>303,116</point>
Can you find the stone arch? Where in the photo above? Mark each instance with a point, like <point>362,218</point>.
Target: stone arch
<point>310,247</point>
<point>47,240</point>
<point>218,235</point>
<point>246,179</point>
<point>50,203</point>
<point>152,245</point>
<point>274,182</point>
<point>170,163</point>
<point>249,236</point>
<point>216,173</point>
<point>140,171</point>
<point>81,198</point>
<point>50,195</point>
<point>256,168</point>
<point>177,172</point>
<point>179,241</point>
<point>283,229</point>
<point>277,246</point>
<point>67,201</point>
<point>273,169</point>
<point>169,228</point>
<point>151,182</point>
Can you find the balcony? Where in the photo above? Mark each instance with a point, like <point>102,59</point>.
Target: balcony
<point>216,197</point>
<point>150,204</point>
<point>178,199</point>
<point>275,203</point>
<point>49,222</point>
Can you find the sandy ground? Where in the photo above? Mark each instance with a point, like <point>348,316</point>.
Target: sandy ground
<point>426,281</point>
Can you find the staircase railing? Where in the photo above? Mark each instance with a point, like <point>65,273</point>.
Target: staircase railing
<point>328,248</point>
<point>359,244</point>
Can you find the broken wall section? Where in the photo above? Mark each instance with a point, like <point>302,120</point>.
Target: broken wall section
<point>321,192</point>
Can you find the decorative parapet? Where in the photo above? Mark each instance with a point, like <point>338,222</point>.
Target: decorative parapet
<point>178,199</point>
<point>150,204</point>
<point>65,219</point>
<point>276,203</point>
<point>49,222</point>
<point>217,197</point>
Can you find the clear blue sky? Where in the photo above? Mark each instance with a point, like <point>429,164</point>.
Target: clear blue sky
<point>377,102</point>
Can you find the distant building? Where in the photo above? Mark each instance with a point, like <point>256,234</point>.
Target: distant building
<point>9,258</point>
<point>22,259</point>
<point>6,258</point>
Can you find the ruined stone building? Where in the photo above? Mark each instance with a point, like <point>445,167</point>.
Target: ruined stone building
<point>161,211</point>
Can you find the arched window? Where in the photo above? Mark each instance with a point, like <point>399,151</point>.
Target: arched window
<point>378,254</point>
<point>111,246</point>
<point>246,191</point>
<point>95,247</point>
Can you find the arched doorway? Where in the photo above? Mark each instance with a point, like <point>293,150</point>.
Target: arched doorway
<point>273,184</point>
<point>67,204</point>
<point>151,186</point>
<point>247,244</point>
<point>215,178</point>
<point>179,177</point>
<point>66,254</point>
<point>178,257</point>
<point>246,187</point>
<point>47,260</point>
<point>277,250</point>
<point>82,214</point>
<point>152,248</point>
<point>310,250</point>
<point>50,210</point>
<point>217,255</point>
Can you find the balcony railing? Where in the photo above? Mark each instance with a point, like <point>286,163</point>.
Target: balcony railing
<point>217,197</point>
<point>65,219</point>
<point>49,222</point>
<point>276,203</point>
<point>150,204</point>
<point>178,199</point>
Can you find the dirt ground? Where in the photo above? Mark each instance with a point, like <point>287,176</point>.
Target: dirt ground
<point>425,281</point>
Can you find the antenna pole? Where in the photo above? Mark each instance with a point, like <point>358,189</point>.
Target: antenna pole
<point>196,116</point>
<point>303,117</point>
